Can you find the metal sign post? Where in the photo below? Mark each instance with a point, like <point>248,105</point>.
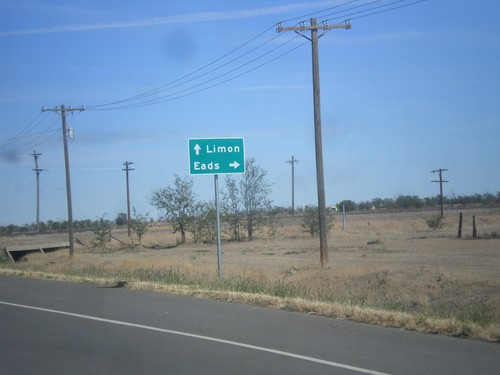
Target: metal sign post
<point>217,226</point>
<point>216,156</point>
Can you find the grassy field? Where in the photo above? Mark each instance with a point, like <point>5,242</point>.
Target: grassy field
<point>385,268</point>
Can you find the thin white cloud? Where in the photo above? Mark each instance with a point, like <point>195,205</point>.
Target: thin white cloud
<point>272,88</point>
<point>192,17</point>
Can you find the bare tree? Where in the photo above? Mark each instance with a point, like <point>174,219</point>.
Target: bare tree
<point>232,207</point>
<point>253,193</point>
<point>255,190</point>
<point>204,226</point>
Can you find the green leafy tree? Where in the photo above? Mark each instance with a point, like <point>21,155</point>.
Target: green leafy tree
<point>348,204</point>
<point>430,201</point>
<point>409,201</point>
<point>121,219</point>
<point>310,221</point>
<point>140,224</point>
<point>365,205</point>
<point>378,203</point>
<point>178,203</point>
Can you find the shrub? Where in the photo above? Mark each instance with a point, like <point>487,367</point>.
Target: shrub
<point>102,232</point>
<point>311,220</point>
<point>434,222</point>
<point>204,226</point>
<point>121,219</point>
<point>140,224</point>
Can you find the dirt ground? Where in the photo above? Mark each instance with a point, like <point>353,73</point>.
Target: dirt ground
<point>365,248</point>
<point>364,241</point>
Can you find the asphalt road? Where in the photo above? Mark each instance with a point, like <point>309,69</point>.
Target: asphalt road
<point>51,327</point>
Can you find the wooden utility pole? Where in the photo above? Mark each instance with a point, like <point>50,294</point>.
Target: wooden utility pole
<point>314,27</point>
<point>127,169</point>
<point>37,171</point>
<point>440,171</point>
<point>293,161</point>
<point>63,110</point>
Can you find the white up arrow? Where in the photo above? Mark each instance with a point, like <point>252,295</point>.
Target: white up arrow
<point>197,149</point>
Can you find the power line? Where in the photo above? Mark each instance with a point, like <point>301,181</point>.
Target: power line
<point>182,80</point>
<point>350,9</point>
<point>30,143</point>
<point>13,149</point>
<point>26,136</point>
<point>374,10</point>
<point>33,140</point>
<point>162,87</point>
<point>169,86</point>
<point>167,92</point>
<point>141,100</point>
<point>53,133</point>
<point>199,87</point>
<point>30,126</point>
<point>37,136</point>
<point>390,9</point>
<point>192,76</point>
<point>24,133</point>
<point>320,11</point>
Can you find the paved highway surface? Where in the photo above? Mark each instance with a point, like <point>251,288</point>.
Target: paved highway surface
<point>51,327</point>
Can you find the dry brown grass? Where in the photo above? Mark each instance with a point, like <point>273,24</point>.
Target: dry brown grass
<point>387,269</point>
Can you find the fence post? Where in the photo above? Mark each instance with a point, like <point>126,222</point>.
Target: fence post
<point>459,235</point>
<point>474,230</point>
<point>344,222</point>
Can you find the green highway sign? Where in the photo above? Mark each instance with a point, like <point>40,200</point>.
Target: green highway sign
<point>216,155</point>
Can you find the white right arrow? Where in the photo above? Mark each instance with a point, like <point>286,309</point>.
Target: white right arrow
<point>197,149</point>
<point>234,164</point>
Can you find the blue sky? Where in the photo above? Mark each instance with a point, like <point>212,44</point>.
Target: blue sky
<point>404,92</point>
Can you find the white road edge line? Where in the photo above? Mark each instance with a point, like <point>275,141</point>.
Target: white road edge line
<point>200,337</point>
